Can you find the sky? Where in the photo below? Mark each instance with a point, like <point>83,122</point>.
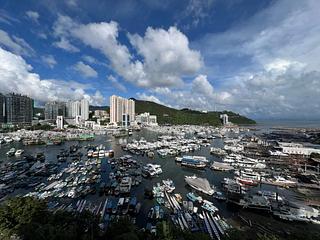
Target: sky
<point>257,58</point>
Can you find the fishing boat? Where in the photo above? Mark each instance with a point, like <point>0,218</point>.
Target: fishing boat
<point>194,197</point>
<point>200,184</point>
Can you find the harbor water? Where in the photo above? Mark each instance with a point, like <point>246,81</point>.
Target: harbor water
<point>171,170</point>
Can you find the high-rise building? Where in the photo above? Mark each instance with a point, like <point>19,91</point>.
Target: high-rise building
<point>18,109</point>
<point>78,108</point>
<point>2,108</point>
<point>84,109</point>
<point>54,109</point>
<point>122,110</point>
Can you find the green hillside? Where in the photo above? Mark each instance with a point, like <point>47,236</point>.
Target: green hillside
<point>166,115</point>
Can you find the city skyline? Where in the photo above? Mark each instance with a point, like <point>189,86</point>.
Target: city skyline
<point>257,58</point>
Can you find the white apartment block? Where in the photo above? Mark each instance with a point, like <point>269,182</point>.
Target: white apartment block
<point>122,110</point>
<point>78,108</point>
<point>147,119</point>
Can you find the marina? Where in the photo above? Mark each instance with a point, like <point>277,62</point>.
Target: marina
<point>112,177</point>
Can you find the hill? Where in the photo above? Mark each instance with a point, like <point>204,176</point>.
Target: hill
<point>93,108</point>
<point>167,115</point>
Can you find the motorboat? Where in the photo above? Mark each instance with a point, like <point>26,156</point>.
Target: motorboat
<point>200,184</point>
<point>207,205</point>
<point>19,152</point>
<point>194,197</point>
<point>11,152</point>
<point>169,185</point>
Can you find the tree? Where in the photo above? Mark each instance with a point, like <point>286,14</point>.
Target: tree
<point>29,218</point>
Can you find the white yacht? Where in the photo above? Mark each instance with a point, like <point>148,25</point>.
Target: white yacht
<point>200,184</point>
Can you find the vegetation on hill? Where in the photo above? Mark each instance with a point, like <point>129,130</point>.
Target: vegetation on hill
<point>167,115</point>
<point>93,108</point>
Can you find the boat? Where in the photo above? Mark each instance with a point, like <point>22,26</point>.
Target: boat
<point>169,185</point>
<point>219,196</point>
<point>200,184</point>
<point>217,151</point>
<point>221,166</point>
<point>207,205</point>
<point>11,152</point>
<point>193,162</point>
<point>101,153</point>
<point>247,181</point>
<point>19,152</point>
<point>194,197</point>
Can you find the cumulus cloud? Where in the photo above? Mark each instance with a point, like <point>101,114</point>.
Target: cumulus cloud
<point>201,85</point>
<point>199,95</point>
<point>85,70</point>
<point>16,71</point>
<point>49,60</point>
<point>164,55</point>
<point>34,16</point>
<point>151,98</point>
<point>117,84</point>
<point>167,56</point>
<point>15,44</point>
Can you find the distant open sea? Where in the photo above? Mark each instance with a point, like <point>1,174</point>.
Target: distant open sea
<point>288,123</point>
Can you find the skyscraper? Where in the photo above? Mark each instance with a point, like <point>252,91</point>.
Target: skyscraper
<point>18,109</point>
<point>54,109</point>
<point>122,110</point>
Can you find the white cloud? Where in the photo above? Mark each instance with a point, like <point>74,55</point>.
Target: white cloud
<point>151,98</point>
<point>195,13</point>
<point>42,35</point>
<point>64,43</point>
<point>49,60</point>
<point>165,54</point>
<point>117,84</point>
<point>15,70</point>
<point>72,3</point>
<point>85,70</point>
<point>34,16</point>
<point>15,44</point>
<point>89,59</point>
<point>6,18</point>
<point>201,85</point>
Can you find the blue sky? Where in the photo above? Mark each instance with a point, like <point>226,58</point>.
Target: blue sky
<point>258,58</point>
